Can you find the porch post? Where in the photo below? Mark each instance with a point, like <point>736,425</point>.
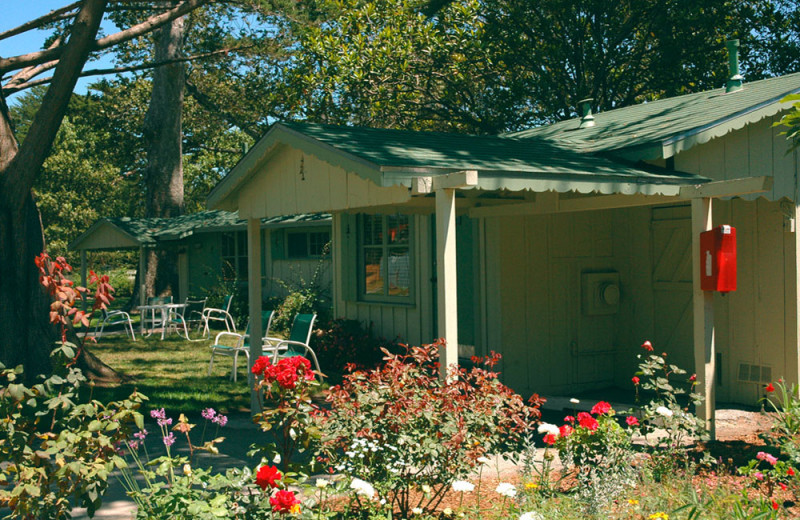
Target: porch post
<point>446,277</point>
<point>142,284</point>
<point>703,303</point>
<point>83,277</point>
<point>254,301</point>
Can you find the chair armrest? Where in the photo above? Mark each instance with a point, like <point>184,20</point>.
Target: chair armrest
<point>224,333</point>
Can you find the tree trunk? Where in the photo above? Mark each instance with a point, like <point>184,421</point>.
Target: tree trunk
<point>26,335</point>
<point>163,134</point>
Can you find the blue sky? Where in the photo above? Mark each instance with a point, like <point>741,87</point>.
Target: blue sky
<point>17,12</point>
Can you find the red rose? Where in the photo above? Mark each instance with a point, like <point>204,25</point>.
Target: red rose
<point>565,431</point>
<point>693,378</point>
<point>769,388</point>
<point>647,346</point>
<point>601,408</point>
<point>285,502</point>
<point>790,472</point>
<point>775,505</point>
<point>587,421</point>
<point>261,364</point>
<point>635,380</point>
<point>287,379</point>
<point>550,439</point>
<point>268,476</point>
<point>631,420</point>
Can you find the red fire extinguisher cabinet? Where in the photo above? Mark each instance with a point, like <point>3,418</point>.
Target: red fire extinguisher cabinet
<point>718,259</point>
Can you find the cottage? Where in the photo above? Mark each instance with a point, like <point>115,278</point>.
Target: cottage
<point>212,247</point>
<point>561,247</point>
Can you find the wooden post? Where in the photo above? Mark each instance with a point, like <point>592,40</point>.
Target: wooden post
<point>793,288</point>
<point>83,278</point>
<point>446,277</point>
<point>254,301</point>
<point>142,284</point>
<point>703,303</point>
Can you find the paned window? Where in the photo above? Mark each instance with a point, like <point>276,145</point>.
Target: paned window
<point>306,244</point>
<point>234,256</point>
<point>384,257</point>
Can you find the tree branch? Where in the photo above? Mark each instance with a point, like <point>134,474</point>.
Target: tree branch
<point>207,103</point>
<point>35,58</point>
<point>18,176</point>
<point>42,20</point>
<point>31,72</point>
<point>9,89</point>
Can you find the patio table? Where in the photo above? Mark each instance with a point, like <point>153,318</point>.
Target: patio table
<point>163,310</point>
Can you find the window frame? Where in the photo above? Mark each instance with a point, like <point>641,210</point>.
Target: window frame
<point>385,247</point>
<point>239,256</point>
<point>308,255</point>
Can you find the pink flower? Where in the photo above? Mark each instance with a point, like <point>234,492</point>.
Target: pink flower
<point>693,378</point>
<point>647,346</point>
<point>635,380</point>
<point>569,419</point>
<point>766,456</point>
<point>759,475</point>
<point>550,439</point>
<point>601,408</point>
<point>632,421</point>
<point>565,431</point>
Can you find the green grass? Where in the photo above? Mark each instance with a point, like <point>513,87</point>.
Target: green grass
<point>172,373</point>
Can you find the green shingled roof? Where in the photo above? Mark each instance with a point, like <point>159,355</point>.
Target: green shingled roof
<point>402,152</point>
<point>149,231</point>
<point>656,123</point>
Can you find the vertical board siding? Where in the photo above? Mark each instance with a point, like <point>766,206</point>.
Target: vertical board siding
<point>755,150</point>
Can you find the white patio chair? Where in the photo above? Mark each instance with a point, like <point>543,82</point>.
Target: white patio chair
<point>297,344</point>
<point>115,318</point>
<point>232,344</point>
<point>154,317</point>
<point>186,317</point>
<point>223,315</point>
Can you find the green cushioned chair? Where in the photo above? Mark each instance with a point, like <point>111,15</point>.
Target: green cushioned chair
<point>232,344</point>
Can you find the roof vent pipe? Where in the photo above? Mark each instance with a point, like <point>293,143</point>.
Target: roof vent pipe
<point>735,80</point>
<point>587,119</point>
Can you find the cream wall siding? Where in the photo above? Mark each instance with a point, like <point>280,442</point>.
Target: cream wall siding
<point>533,308</point>
<point>412,323</point>
<point>293,182</point>
<point>754,150</point>
<point>108,236</point>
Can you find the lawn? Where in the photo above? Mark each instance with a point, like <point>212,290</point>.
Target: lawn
<point>172,373</point>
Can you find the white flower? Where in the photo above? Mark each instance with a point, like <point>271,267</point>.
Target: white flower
<point>187,470</point>
<point>506,489</point>
<point>362,488</point>
<point>322,483</point>
<point>546,428</point>
<point>276,459</point>
<point>463,486</point>
<point>664,411</point>
<point>531,515</point>
<point>417,511</point>
<point>426,489</point>
<point>447,511</point>
<point>574,401</point>
<point>484,460</point>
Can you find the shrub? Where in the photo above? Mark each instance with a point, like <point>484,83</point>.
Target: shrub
<point>345,342</point>
<point>400,428</point>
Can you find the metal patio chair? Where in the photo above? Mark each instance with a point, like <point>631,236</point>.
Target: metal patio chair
<point>224,315</point>
<point>297,344</point>
<point>115,318</point>
<point>232,343</point>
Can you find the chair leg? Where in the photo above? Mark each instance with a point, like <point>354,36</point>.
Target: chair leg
<point>130,326</point>
<point>234,370</point>
<point>211,363</point>
<point>102,326</point>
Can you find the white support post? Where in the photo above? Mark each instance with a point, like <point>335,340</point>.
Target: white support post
<point>703,302</point>
<point>793,348</point>
<point>142,283</point>
<point>446,277</point>
<point>254,301</point>
<point>83,278</point>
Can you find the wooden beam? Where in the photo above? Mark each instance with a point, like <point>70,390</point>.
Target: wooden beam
<point>703,303</point>
<point>461,179</point>
<point>549,202</point>
<point>254,301</point>
<point>729,188</point>
<point>447,295</point>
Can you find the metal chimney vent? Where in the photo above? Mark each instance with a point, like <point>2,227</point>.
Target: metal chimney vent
<point>735,80</point>
<point>587,119</point>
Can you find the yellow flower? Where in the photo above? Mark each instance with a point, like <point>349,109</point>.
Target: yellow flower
<point>295,509</point>
<point>659,516</point>
<point>633,502</point>
<point>531,485</point>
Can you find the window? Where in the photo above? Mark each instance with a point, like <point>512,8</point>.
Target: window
<point>306,244</point>
<point>384,254</point>
<point>234,256</point>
